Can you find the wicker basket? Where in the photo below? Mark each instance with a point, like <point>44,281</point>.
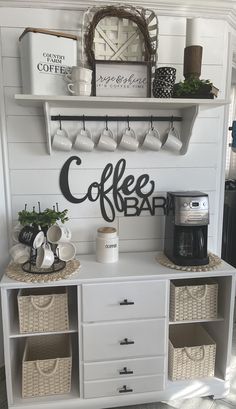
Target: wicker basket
<point>191,352</point>
<point>46,366</point>
<point>195,301</point>
<point>43,310</point>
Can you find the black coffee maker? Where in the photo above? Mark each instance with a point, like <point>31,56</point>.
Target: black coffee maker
<point>186,228</point>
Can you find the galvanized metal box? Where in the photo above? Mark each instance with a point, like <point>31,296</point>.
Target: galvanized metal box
<point>45,58</point>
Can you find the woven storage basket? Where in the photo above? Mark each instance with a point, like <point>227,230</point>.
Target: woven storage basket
<point>191,352</point>
<point>43,310</point>
<point>197,300</point>
<point>46,366</point>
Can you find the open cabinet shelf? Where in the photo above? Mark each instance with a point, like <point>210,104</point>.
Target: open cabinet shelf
<point>59,105</point>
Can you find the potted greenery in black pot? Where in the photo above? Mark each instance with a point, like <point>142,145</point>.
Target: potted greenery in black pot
<point>193,87</point>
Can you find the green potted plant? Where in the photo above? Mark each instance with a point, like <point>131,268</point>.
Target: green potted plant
<point>44,219</point>
<point>194,88</point>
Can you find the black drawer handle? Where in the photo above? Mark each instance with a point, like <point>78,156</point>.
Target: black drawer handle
<point>125,371</point>
<point>126,302</point>
<point>126,342</point>
<point>125,389</point>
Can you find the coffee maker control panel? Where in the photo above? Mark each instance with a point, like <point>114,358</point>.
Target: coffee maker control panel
<point>191,210</point>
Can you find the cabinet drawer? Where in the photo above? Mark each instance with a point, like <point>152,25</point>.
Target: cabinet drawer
<point>126,339</point>
<point>124,368</point>
<point>111,301</point>
<point>129,386</point>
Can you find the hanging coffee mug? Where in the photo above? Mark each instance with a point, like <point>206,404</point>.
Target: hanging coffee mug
<point>31,236</point>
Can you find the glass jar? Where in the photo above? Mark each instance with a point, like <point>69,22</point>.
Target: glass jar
<point>107,245</point>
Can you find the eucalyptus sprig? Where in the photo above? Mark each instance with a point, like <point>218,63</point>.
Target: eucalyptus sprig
<point>43,219</point>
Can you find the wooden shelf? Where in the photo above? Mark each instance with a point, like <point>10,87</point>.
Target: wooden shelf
<point>115,102</point>
<point>219,318</point>
<point>187,108</point>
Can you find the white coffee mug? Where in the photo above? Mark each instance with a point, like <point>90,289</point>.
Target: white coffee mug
<point>45,256</point>
<point>152,140</point>
<point>80,88</point>
<point>173,141</point>
<point>66,251</point>
<point>79,74</point>
<point>56,233</point>
<point>20,253</point>
<point>16,231</point>
<point>61,141</point>
<point>129,141</point>
<point>106,141</point>
<point>83,141</point>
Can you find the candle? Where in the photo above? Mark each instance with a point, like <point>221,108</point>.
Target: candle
<point>192,32</point>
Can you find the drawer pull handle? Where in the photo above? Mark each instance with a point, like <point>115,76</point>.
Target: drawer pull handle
<point>126,342</point>
<point>124,371</point>
<point>125,389</point>
<point>126,302</point>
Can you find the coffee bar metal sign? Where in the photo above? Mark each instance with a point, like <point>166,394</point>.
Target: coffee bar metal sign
<point>115,191</point>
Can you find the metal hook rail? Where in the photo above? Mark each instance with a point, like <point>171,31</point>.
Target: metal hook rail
<point>107,118</point>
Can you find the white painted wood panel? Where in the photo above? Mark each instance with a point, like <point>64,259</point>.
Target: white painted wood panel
<point>47,181</point>
<point>83,210</point>
<point>148,336</point>
<point>11,72</point>
<point>26,129</point>
<point>96,389</point>
<point>11,106</point>
<point>146,227</point>
<point>42,18</point>
<point>107,299</point>
<point>112,369</point>
<point>34,156</point>
<point>35,176</point>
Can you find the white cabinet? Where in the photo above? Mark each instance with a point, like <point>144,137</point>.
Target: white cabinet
<point>119,325</point>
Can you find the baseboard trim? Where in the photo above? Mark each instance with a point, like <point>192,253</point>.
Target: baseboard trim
<point>2,373</point>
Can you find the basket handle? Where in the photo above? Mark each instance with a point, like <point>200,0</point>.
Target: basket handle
<point>48,373</point>
<point>44,307</point>
<point>201,297</point>
<point>186,350</point>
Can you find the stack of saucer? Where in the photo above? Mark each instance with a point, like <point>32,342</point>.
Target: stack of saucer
<point>163,82</point>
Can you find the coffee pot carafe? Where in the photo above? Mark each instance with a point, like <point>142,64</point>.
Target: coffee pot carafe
<point>186,228</point>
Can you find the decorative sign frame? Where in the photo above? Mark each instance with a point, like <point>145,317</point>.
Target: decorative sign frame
<point>122,79</point>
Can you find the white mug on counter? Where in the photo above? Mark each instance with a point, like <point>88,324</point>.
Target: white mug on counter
<point>20,253</point>
<point>66,251</point>
<point>45,256</point>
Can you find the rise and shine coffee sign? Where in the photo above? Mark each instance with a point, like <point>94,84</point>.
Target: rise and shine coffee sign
<point>115,191</point>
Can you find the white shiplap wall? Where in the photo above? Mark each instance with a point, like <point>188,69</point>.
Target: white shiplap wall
<point>34,175</point>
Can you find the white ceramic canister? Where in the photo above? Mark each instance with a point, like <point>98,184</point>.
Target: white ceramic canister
<point>107,245</point>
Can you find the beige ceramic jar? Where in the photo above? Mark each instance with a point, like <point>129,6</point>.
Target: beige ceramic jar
<point>107,245</point>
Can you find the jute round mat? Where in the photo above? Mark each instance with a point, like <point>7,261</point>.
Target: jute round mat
<point>214,261</point>
<point>15,272</point>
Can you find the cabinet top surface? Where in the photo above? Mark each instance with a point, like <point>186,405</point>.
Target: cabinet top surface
<point>131,266</point>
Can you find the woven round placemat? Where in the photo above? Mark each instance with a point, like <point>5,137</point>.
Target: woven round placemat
<point>214,261</point>
<point>15,272</point>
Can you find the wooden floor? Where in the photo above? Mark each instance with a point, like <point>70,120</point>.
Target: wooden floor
<point>198,403</point>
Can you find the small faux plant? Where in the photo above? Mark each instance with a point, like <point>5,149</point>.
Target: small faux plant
<point>193,87</point>
<point>43,219</point>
